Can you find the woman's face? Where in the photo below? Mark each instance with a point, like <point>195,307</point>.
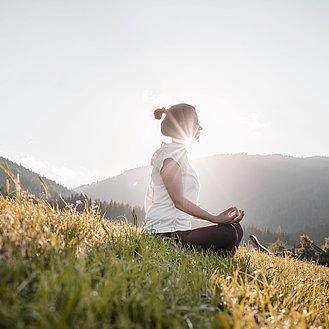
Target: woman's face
<point>197,128</point>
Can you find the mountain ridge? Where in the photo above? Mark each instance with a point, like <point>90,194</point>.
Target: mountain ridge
<point>275,190</point>
<point>30,181</point>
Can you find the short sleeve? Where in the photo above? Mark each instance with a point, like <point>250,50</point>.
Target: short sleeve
<point>179,155</point>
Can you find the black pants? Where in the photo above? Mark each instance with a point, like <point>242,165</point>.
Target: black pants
<point>224,239</point>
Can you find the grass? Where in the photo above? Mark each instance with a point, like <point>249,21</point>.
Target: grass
<point>64,269</point>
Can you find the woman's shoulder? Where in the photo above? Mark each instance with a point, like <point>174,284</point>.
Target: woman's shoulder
<point>170,150</point>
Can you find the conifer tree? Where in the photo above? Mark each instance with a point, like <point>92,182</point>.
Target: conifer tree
<point>278,247</point>
<point>324,258</point>
<point>306,249</point>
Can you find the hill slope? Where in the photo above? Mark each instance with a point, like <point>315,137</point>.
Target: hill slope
<point>30,180</point>
<point>63,269</point>
<point>128,187</point>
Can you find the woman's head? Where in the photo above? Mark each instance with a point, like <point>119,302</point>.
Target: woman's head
<point>181,121</point>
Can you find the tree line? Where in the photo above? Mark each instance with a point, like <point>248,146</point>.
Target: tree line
<point>266,235</point>
<point>112,210</point>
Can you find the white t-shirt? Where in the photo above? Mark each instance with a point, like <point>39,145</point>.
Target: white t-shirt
<point>161,214</point>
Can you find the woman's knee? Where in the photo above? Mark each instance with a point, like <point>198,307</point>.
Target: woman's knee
<point>231,236</point>
<point>222,238</point>
<point>239,231</point>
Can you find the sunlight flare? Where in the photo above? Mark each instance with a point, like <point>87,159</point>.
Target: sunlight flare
<point>192,147</point>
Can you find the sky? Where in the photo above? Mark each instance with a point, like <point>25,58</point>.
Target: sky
<point>79,80</point>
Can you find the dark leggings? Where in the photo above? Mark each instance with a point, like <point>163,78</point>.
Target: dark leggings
<point>224,239</point>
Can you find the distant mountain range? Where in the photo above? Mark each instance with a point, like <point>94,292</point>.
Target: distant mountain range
<point>30,181</point>
<point>277,192</point>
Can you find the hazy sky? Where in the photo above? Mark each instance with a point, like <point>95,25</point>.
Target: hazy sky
<point>79,80</point>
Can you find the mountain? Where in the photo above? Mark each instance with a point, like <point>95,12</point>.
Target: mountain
<point>276,191</point>
<point>128,187</point>
<point>30,181</point>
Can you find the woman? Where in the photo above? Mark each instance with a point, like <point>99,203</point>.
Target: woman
<point>171,197</point>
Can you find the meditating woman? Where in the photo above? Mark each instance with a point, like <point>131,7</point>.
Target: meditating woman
<point>172,194</point>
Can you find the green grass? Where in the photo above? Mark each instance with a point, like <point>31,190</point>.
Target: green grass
<point>62,269</point>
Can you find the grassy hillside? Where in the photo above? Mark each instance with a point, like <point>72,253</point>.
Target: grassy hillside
<point>64,269</point>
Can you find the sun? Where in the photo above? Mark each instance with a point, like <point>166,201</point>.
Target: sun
<point>192,147</point>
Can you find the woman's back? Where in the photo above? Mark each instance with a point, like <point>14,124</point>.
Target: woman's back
<point>161,213</point>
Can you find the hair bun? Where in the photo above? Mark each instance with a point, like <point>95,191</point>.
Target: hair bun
<point>159,112</point>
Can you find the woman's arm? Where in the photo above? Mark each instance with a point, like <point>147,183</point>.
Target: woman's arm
<point>171,174</point>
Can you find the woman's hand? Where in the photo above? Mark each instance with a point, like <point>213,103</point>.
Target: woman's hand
<point>229,216</point>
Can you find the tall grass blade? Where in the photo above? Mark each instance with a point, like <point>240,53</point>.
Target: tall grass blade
<point>44,185</point>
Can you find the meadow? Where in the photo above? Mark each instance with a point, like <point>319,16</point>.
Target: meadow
<point>65,269</point>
